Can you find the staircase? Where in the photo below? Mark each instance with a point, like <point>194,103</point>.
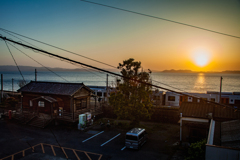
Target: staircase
<point>40,121</point>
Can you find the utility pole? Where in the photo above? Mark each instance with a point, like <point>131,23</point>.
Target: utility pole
<point>107,88</point>
<point>1,87</point>
<point>35,75</point>
<point>220,101</point>
<point>12,85</point>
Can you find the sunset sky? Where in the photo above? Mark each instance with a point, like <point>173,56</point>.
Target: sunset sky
<point>111,36</point>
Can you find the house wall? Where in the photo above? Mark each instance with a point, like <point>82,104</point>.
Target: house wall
<point>209,97</point>
<point>46,109</point>
<point>193,131</point>
<point>170,102</point>
<point>221,153</point>
<point>158,99</point>
<point>64,101</point>
<point>81,93</point>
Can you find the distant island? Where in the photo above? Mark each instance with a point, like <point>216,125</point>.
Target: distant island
<point>178,71</point>
<point>11,68</point>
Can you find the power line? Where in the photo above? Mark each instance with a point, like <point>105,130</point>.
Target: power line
<point>15,62</point>
<point>96,68</point>
<point>164,19</point>
<point>45,55</point>
<point>59,48</point>
<point>39,63</point>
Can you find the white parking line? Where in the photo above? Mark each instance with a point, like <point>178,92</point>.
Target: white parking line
<point>92,136</point>
<point>123,148</point>
<point>110,139</point>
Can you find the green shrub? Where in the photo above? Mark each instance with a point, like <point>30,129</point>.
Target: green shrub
<point>196,151</point>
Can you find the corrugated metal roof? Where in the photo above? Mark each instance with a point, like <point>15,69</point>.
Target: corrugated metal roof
<point>197,110</point>
<point>52,88</point>
<point>202,110</point>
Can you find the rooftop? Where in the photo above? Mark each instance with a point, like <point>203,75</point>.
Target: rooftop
<point>53,88</point>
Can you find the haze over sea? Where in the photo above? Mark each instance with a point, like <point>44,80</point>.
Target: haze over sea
<point>183,82</point>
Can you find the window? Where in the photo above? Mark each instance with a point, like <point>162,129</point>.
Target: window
<point>41,104</point>
<point>171,98</point>
<point>133,138</point>
<point>30,103</point>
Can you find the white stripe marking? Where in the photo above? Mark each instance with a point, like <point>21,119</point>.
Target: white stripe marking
<point>92,136</point>
<point>110,139</point>
<point>123,148</point>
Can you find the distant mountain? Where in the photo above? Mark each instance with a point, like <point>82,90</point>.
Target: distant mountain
<point>178,71</point>
<point>11,68</point>
<point>233,72</point>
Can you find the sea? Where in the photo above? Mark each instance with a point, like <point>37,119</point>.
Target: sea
<point>181,82</point>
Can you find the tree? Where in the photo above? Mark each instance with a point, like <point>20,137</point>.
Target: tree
<point>132,99</point>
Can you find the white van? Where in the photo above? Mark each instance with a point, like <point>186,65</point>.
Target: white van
<point>135,138</point>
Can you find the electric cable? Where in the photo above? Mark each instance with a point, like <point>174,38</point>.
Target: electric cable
<point>39,63</point>
<point>164,19</point>
<point>50,56</point>
<point>15,62</point>
<point>59,48</point>
<point>84,68</point>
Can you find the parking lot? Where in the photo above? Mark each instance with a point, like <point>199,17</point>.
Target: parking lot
<point>107,142</point>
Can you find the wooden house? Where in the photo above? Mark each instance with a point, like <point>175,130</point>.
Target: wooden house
<point>58,100</point>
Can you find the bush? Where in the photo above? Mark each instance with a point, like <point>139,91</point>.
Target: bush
<point>197,150</point>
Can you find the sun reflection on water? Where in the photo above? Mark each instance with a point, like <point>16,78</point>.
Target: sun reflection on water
<point>200,82</point>
<point>201,78</point>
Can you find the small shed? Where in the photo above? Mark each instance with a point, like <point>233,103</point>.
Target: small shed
<point>195,119</point>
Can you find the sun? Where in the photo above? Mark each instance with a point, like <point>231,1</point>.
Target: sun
<point>201,58</point>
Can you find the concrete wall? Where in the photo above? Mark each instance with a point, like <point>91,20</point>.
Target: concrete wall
<point>221,153</point>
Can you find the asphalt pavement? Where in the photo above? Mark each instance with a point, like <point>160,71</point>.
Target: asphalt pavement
<point>96,143</point>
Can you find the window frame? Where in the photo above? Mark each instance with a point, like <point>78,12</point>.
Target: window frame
<point>171,98</point>
<point>41,104</point>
